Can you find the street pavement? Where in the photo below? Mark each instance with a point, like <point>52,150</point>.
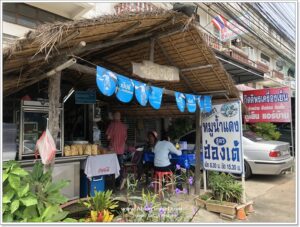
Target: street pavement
<point>274,200</point>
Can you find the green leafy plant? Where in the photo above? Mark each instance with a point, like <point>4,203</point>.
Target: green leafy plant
<point>206,196</point>
<point>224,187</point>
<point>151,209</point>
<point>31,197</point>
<point>266,130</point>
<point>101,201</point>
<point>47,192</point>
<point>17,197</point>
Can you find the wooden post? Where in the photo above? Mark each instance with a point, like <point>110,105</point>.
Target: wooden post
<point>198,153</point>
<point>152,42</point>
<point>54,108</point>
<point>90,122</point>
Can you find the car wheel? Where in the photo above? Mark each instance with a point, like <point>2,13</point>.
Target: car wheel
<point>248,172</point>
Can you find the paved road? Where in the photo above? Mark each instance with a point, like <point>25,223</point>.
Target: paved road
<point>274,198</point>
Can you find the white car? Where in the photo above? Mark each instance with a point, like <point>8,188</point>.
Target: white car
<point>261,156</point>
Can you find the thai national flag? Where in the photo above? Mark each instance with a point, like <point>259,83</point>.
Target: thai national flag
<point>219,22</point>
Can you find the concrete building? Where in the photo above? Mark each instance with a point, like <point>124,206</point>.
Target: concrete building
<point>259,46</point>
<point>19,18</point>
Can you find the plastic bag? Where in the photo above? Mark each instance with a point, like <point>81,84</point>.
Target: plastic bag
<point>46,147</point>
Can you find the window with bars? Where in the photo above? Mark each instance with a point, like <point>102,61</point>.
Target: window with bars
<point>28,16</point>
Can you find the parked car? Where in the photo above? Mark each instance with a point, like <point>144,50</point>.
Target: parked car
<point>285,131</point>
<point>260,156</point>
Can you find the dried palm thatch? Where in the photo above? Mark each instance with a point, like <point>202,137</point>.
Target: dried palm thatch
<point>115,42</point>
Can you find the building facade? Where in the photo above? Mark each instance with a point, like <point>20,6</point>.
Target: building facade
<point>255,44</point>
<point>19,18</point>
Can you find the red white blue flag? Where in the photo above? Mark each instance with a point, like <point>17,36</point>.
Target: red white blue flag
<point>219,22</point>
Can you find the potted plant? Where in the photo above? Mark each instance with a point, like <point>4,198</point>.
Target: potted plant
<point>101,205</point>
<point>202,199</point>
<point>226,193</point>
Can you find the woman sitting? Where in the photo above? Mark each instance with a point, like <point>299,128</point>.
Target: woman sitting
<point>162,150</point>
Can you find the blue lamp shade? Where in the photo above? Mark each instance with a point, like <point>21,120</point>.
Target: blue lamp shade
<point>155,96</point>
<point>125,89</point>
<point>141,92</point>
<point>191,103</point>
<point>207,104</point>
<point>180,100</point>
<point>106,81</point>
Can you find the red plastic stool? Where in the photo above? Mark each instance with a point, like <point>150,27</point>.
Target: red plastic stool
<point>158,178</point>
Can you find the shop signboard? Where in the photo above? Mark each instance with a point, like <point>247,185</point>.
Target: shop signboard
<point>85,97</point>
<point>233,29</point>
<point>222,138</point>
<point>268,105</point>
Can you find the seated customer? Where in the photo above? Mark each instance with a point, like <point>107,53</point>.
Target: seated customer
<point>146,167</point>
<point>162,150</point>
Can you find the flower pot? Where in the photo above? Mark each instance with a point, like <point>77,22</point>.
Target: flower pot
<point>221,207</point>
<point>200,202</point>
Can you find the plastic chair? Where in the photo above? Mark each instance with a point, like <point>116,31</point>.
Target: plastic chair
<point>158,181</point>
<point>132,166</point>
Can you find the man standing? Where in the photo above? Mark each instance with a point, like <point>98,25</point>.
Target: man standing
<point>117,135</point>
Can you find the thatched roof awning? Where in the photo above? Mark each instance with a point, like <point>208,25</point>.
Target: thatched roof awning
<point>114,42</point>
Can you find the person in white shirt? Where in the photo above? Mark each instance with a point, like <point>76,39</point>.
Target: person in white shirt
<point>162,150</point>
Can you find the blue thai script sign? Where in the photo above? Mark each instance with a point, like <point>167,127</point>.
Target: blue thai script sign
<point>141,92</point>
<point>85,97</point>
<point>180,100</point>
<point>125,89</point>
<point>155,97</point>
<point>222,138</point>
<point>106,81</point>
<point>191,103</point>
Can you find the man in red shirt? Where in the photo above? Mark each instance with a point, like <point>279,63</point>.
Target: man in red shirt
<point>117,135</point>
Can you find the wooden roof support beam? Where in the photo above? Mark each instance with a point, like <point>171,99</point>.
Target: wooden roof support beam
<point>76,48</point>
<point>120,34</point>
<point>152,43</point>
<point>92,71</point>
<point>171,62</point>
<point>96,46</point>
<point>127,30</point>
<point>196,68</point>
<point>46,75</point>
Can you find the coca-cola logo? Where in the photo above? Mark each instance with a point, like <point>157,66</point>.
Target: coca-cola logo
<point>103,170</point>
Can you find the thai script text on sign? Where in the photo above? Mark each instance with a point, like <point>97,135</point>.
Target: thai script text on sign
<point>268,105</point>
<point>222,138</point>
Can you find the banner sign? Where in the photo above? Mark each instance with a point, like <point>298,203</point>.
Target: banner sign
<point>191,103</point>
<point>268,105</point>
<point>233,29</point>
<point>85,97</point>
<point>141,92</point>
<point>155,97</point>
<point>222,138</point>
<point>125,89</point>
<point>180,100</point>
<point>106,81</point>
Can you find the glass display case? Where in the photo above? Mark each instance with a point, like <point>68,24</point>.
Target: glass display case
<point>32,123</point>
